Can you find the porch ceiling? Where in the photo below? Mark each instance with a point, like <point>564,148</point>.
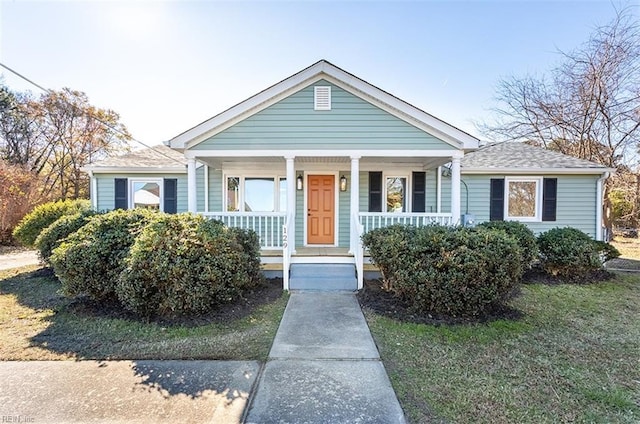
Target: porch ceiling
<point>365,162</point>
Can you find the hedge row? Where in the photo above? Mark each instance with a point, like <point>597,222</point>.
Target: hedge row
<point>30,227</point>
<point>465,272</point>
<point>153,263</point>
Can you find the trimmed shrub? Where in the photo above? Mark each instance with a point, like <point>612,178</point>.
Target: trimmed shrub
<point>522,234</point>
<point>30,227</point>
<point>184,264</point>
<point>569,253</point>
<point>456,272</point>
<point>54,234</point>
<point>90,260</point>
<point>607,251</point>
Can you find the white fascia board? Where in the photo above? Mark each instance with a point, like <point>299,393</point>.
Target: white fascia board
<point>534,171</point>
<point>324,70</point>
<point>194,154</point>
<point>136,170</point>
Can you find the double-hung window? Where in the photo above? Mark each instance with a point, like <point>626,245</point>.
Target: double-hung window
<point>256,193</point>
<point>523,199</point>
<point>146,193</point>
<point>396,194</point>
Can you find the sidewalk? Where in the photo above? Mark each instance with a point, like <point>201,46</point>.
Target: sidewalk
<point>324,367</point>
<point>15,260</point>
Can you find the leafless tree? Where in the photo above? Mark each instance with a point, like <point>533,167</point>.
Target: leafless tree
<point>587,107</point>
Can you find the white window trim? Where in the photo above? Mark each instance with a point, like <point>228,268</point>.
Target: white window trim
<point>241,198</point>
<point>407,202</point>
<point>159,181</point>
<point>538,205</point>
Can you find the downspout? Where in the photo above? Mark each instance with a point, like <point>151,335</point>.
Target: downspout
<point>599,205</point>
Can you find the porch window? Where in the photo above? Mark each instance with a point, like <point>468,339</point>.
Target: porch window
<point>396,194</point>
<point>256,194</point>
<point>523,199</point>
<point>145,194</point>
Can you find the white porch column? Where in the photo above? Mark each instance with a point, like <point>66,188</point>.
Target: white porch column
<point>455,189</point>
<point>192,201</point>
<point>439,190</point>
<point>291,202</point>
<point>355,199</point>
<point>206,187</point>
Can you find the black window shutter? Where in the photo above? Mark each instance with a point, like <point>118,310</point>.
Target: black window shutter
<point>549,198</point>
<point>121,200</point>
<point>496,202</point>
<point>170,195</point>
<point>418,203</point>
<point>375,191</point>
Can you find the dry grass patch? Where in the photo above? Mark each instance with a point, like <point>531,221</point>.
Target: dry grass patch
<point>38,323</point>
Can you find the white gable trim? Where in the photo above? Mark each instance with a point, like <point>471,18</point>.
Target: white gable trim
<point>324,70</point>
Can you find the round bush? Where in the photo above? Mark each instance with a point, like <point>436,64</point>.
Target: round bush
<point>90,260</point>
<point>186,264</point>
<point>568,253</point>
<point>455,272</point>
<point>54,234</point>
<point>522,234</point>
<point>30,227</point>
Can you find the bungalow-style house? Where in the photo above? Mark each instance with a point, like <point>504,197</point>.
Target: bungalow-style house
<point>316,160</point>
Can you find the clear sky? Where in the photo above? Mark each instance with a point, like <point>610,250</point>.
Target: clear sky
<point>167,66</point>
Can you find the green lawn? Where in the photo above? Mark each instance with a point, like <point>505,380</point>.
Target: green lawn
<point>37,323</point>
<point>573,357</point>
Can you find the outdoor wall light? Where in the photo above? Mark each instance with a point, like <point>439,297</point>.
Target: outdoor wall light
<point>343,183</point>
<point>299,182</point>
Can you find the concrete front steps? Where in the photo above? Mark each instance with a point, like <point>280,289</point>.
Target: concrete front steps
<point>323,277</point>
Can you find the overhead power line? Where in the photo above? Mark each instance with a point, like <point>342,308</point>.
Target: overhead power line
<point>106,124</point>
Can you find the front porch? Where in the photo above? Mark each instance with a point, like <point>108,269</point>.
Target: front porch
<point>273,230</point>
<point>313,206</point>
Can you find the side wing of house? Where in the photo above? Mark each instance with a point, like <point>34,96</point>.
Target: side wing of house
<point>542,202</point>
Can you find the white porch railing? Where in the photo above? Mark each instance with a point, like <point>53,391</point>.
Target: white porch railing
<point>372,220</point>
<point>268,225</point>
<point>357,231</point>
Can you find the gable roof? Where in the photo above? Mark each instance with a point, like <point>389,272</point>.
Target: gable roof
<point>517,157</point>
<point>349,82</point>
<point>152,159</point>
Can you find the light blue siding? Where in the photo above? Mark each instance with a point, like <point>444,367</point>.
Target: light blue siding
<point>106,188</point>
<point>344,212</point>
<point>216,187</point>
<point>200,189</point>
<point>352,123</point>
<point>576,204</point>
<point>300,216</point>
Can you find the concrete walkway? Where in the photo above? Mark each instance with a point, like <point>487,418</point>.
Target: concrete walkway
<point>17,259</point>
<point>324,367</point>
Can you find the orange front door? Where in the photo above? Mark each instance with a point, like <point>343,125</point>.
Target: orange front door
<point>320,209</point>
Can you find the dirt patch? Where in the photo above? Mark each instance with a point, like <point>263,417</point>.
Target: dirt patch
<point>374,298</point>
<point>267,292</point>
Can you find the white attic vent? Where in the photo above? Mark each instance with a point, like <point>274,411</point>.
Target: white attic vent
<point>322,98</point>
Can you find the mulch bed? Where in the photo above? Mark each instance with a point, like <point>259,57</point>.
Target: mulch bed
<point>267,292</point>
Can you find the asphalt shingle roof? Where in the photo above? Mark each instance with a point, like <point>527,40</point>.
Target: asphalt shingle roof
<point>516,155</point>
<point>159,156</point>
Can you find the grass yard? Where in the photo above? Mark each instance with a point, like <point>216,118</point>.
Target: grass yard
<point>37,323</point>
<point>628,247</point>
<point>573,357</point>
